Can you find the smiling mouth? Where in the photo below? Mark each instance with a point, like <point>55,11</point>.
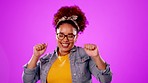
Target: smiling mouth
<point>65,45</point>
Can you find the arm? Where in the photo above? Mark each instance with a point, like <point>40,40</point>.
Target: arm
<point>32,70</point>
<point>97,65</point>
<point>104,76</point>
<point>31,75</point>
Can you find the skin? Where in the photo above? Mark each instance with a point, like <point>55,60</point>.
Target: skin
<point>91,49</point>
<point>66,29</point>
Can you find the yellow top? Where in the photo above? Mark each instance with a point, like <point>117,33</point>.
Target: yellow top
<point>60,71</point>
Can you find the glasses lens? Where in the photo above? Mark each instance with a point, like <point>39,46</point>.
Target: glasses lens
<point>70,37</point>
<point>62,36</point>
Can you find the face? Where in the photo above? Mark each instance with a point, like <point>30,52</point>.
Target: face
<point>66,37</point>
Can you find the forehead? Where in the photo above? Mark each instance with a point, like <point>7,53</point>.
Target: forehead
<point>66,29</point>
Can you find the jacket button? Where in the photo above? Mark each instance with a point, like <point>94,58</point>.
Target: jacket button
<point>74,74</point>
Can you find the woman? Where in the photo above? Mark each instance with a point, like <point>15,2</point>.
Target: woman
<point>68,63</point>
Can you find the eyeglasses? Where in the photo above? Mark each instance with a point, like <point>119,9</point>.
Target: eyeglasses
<point>61,36</point>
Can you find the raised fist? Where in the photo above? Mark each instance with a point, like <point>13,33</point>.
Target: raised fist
<point>91,50</point>
<point>39,49</point>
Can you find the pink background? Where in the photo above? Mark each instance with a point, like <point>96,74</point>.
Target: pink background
<point>118,27</point>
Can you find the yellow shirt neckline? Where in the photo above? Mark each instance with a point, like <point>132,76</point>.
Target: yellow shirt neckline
<point>60,71</point>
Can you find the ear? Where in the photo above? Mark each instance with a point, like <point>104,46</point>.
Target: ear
<point>56,35</point>
<point>76,38</point>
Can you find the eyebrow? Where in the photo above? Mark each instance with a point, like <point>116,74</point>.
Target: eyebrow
<point>68,33</point>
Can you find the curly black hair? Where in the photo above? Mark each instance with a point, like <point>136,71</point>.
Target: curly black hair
<point>69,11</point>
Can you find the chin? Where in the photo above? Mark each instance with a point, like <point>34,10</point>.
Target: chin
<point>65,49</point>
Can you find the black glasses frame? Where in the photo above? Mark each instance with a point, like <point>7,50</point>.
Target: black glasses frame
<point>65,36</point>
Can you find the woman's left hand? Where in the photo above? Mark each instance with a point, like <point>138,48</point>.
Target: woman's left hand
<point>91,50</point>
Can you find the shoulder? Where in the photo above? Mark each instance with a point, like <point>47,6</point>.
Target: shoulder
<point>81,51</point>
<point>45,57</point>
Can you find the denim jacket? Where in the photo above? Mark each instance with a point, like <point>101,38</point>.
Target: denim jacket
<point>82,67</point>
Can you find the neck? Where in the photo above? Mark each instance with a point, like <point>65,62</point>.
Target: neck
<point>62,53</point>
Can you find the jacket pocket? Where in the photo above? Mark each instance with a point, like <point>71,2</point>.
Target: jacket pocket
<point>82,60</point>
<point>83,70</point>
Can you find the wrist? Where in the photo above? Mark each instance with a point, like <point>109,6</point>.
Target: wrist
<point>96,57</point>
<point>36,56</point>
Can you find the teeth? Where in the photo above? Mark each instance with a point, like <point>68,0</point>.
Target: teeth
<point>65,44</point>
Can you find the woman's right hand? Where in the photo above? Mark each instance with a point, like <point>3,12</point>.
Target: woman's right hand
<point>39,49</point>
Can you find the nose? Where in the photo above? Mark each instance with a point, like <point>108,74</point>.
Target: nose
<point>65,39</point>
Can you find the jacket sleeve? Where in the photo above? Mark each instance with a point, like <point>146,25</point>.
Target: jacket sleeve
<point>31,75</point>
<point>104,76</point>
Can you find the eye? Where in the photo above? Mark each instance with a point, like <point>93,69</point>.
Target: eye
<point>70,36</point>
<point>61,35</point>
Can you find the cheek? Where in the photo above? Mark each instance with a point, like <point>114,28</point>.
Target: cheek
<point>71,44</point>
<point>58,42</point>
